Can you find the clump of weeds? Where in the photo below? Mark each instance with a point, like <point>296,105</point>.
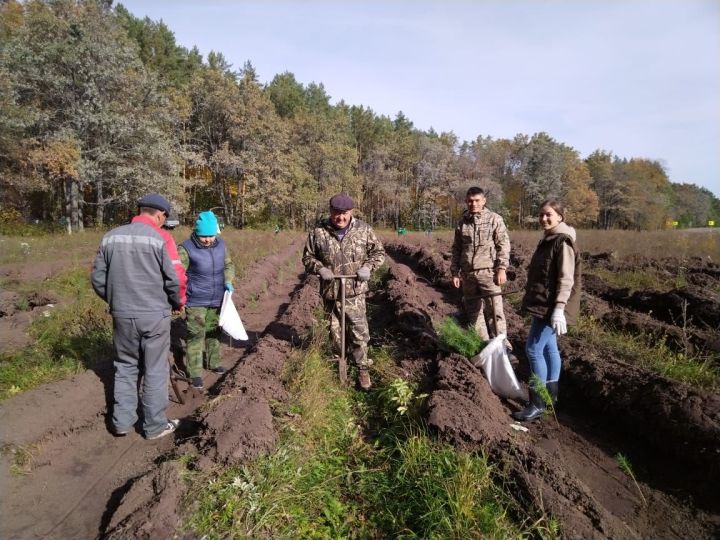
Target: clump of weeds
<point>400,398</point>
<point>23,304</point>
<point>22,457</point>
<point>697,370</point>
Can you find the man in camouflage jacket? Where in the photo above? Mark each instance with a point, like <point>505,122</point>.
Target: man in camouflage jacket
<point>344,245</point>
<point>480,257</point>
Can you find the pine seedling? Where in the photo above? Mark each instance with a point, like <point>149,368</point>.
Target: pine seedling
<point>455,338</point>
<point>627,469</point>
<point>541,390</point>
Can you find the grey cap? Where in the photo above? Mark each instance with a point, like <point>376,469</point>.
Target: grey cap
<point>341,202</point>
<point>155,200</point>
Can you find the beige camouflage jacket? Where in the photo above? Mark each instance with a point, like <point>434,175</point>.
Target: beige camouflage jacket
<point>359,247</point>
<point>481,241</point>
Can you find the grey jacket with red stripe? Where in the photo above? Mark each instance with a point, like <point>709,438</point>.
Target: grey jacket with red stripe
<point>137,271</point>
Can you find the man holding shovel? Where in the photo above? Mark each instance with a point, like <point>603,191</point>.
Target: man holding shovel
<point>338,247</point>
<point>480,256</point>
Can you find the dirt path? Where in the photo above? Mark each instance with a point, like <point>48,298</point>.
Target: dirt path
<point>79,472</point>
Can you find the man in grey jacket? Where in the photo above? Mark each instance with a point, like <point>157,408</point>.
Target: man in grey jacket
<point>137,271</point>
<point>480,256</point>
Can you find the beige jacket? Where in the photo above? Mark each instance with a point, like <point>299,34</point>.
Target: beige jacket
<point>481,241</point>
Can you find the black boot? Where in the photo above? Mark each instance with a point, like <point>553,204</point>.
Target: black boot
<point>534,410</point>
<point>553,390</point>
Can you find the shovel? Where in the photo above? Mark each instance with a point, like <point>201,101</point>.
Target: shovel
<point>342,363</point>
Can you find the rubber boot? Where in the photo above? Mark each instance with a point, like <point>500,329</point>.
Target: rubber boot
<point>534,410</point>
<point>552,387</point>
<point>364,378</point>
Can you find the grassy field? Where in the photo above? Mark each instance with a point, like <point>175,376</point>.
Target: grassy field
<point>651,244</point>
<point>78,332</point>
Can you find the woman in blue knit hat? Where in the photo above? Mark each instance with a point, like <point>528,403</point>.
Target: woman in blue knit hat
<point>210,272</point>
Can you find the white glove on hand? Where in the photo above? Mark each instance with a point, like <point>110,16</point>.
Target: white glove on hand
<point>363,273</point>
<point>326,274</point>
<point>558,322</point>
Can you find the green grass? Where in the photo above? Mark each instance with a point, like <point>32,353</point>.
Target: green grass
<point>69,340</point>
<point>652,244</point>
<point>329,479</point>
<point>641,280</point>
<point>651,353</point>
<point>78,248</point>
<point>455,338</point>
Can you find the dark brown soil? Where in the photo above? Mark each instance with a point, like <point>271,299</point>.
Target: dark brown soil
<point>669,431</point>
<point>17,311</point>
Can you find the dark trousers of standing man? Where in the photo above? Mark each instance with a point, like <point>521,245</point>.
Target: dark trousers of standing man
<point>135,341</point>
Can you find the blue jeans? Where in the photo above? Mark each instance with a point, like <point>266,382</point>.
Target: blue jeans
<point>542,351</point>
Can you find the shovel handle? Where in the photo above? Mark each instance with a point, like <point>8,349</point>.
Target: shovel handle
<point>342,365</point>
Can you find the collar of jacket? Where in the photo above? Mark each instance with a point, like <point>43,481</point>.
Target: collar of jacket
<point>195,240</point>
<point>469,218</point>
<point>560,228</point>
<point>147,220</point>
<point>331,228</point>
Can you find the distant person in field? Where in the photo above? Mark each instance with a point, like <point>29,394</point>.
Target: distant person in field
<point>210,272</point>
<point>552,297</point>
<point>480,257</point>
<point>345,245</point>
<point>138,273</point>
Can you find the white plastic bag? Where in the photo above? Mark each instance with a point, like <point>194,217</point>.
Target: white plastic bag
<point>230,319</point>
<point>494,362</point>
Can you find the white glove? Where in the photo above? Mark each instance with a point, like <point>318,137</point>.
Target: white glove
<point>326,274</point>
<point>558,322</point>
<point>363,273</point>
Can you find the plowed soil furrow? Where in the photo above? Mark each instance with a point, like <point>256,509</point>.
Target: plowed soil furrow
<point>84,483</point>
<point>80,472</point>
<point>236,428</point>
<point>569,467</point>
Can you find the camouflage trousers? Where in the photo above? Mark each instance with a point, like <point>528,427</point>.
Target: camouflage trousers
<point>357,333</point>
<point>483,313</point>
<point>202,337</point>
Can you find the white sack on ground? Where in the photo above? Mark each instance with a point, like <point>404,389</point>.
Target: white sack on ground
<point>230,319</point>
<point>494,361</point>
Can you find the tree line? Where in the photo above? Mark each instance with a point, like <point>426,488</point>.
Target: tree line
<point>98,107</point>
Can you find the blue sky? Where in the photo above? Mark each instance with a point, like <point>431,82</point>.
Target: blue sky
<point>639,78</point>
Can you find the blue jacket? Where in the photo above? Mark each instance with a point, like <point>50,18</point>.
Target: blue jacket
<point>206,273</point>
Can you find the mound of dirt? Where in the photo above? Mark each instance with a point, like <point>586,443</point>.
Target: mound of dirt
<point>568,468</point>
<point>149,508</point>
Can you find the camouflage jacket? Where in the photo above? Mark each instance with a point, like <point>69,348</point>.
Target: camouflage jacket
<point>359,247</point>
<point>481,241</point>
